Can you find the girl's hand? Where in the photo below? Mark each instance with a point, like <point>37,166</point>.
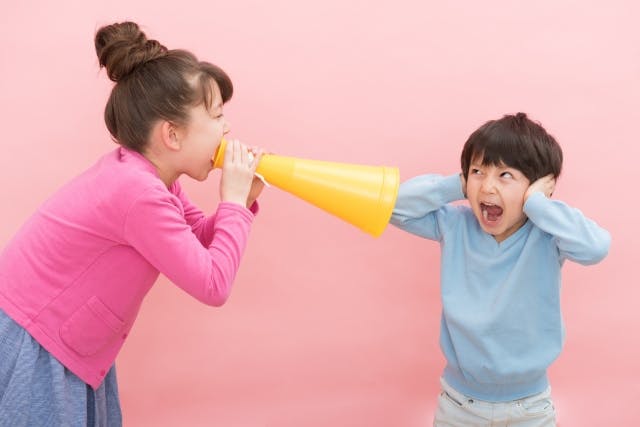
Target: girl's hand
<point>546,185</point>
<point>257,185</point>
<point>237,173</point>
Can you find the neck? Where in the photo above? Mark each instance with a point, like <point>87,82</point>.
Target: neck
<point>165,173</point>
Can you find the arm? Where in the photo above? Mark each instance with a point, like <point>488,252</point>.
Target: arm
<point>237,184</point>
<point>419,200</point>
<point>156,228</point>
<point>577,237</point>
<point>201,224</point>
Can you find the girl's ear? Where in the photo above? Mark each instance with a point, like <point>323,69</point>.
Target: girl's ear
<point>169,135</point>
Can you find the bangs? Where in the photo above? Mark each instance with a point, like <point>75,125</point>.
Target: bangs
<point>498,152</point>
<point>210,74</point>
<point>508,151</point>
<point>514,142</point>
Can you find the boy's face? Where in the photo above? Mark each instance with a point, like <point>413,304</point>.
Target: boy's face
<point>496,196</point>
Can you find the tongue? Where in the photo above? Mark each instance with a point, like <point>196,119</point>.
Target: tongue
<point>492,212</point>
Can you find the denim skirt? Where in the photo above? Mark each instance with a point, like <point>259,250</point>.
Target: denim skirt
<point>37,390</point>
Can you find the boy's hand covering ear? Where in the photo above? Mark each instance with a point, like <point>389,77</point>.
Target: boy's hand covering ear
<point>545,185</point>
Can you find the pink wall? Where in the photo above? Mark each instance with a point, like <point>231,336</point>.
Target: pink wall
<point>326,325</point>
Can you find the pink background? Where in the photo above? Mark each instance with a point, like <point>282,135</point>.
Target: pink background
<point>327,326</point>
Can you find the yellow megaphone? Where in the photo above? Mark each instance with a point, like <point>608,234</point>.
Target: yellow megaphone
<point>363,196</point>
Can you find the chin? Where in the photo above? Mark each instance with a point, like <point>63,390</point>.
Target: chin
<point>201,177</point>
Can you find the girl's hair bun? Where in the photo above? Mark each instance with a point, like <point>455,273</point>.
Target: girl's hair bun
<point>123,47</point>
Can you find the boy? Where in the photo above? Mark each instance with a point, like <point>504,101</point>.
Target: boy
<point>501,324</point>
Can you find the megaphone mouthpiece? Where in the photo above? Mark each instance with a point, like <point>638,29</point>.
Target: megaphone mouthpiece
<point>363,196</point>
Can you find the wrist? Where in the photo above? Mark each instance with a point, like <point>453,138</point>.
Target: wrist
<point>234,200</point>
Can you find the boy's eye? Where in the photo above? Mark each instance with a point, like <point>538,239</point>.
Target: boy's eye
<point>506,175</point>
<point>475,171</point>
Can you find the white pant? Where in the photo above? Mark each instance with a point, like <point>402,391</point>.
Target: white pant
<point>458,410</point>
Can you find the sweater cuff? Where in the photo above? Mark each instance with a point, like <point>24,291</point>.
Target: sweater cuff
<point>254,208</point>
<point>236,208</point>
<point>452,188</point>
<point>534,202</point>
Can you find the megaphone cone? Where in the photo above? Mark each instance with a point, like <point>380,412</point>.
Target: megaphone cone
<point>363,196</point>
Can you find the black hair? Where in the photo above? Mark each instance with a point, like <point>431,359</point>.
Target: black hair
<point>517,142</point>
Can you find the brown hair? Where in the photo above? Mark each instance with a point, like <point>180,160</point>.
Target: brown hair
<point>516,141</point>
<point>152,83</point>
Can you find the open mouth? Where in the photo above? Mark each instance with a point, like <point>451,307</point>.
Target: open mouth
<point>490,212</point>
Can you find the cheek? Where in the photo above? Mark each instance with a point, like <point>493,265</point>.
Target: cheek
<point>472,188</point>
<point>516,200</point>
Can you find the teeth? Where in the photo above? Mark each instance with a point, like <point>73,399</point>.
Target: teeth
<point>485,215</point>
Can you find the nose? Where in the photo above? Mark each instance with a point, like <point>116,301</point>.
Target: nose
<point>488,184</point>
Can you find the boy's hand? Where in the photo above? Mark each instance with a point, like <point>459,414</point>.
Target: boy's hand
<point>545,185</point>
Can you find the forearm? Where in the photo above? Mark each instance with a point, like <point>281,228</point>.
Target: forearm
<point>230,236</point>
<point>578,238</point>
<point>420,198</point>
<point>203,225</point>
<point>157,230</point>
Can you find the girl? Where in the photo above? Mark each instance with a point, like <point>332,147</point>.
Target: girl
<point>73,278</point>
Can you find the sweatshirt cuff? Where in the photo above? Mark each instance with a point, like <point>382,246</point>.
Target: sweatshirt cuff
<point>452,188</point>
<point>236,208</point>
<point>534,202</point>
<point>254,208</point>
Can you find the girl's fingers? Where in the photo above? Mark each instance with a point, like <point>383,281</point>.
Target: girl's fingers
<point>234,151</point>
<point>257,154</point>
<point>238,152</point>
<point>244,155</point>
<point>228,151</point>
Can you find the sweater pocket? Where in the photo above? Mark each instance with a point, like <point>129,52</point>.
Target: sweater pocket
<point>91,328</point>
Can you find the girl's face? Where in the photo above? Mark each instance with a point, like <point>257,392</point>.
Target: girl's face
<point>496,196</point>
<point>201,136</point>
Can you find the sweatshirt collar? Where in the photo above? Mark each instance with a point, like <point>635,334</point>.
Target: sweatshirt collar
<point>127,155</point>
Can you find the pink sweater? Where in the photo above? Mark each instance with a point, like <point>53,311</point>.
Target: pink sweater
<point>75,274</point>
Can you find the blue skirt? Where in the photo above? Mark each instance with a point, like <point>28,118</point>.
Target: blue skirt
<point>36,390</point>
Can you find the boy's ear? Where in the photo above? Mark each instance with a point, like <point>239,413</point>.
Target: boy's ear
<point>169,135</point>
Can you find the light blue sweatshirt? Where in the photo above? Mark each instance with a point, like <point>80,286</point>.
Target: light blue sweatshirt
<point>501,323</point>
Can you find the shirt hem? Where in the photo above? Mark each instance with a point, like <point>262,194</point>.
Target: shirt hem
<point>492,392</point>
